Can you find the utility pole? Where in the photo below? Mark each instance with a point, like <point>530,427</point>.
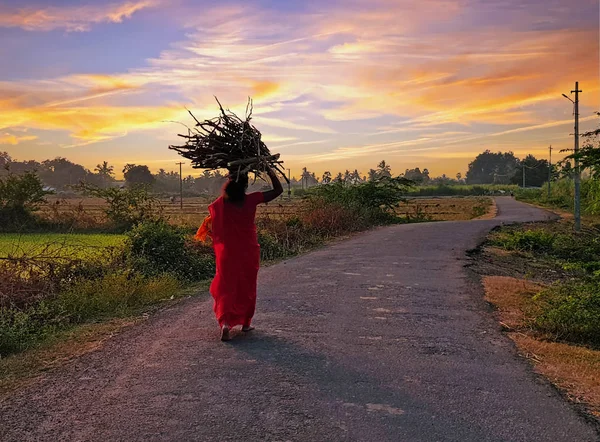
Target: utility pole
<point>180,186</point>
<point>577,170</point>
<point>577,177</point>
<point>549,170</point>
<point>523,174</point>
<point>289,184</point>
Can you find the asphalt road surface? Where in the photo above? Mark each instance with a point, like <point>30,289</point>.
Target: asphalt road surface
<point>383,337</point>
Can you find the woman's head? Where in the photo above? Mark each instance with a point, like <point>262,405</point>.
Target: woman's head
<point>235,187</point>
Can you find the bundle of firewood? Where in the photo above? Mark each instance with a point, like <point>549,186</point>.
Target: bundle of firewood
<point>228,142</point>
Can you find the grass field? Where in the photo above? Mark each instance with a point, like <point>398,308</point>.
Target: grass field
<point>53,244</point>
<point>195,209</point>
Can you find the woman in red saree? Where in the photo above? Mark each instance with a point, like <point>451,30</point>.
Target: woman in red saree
<point>233,231</point>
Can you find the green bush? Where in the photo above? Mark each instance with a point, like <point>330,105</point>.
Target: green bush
<point>126,207</point>
<point>528,240</point>
<point>583,247</point>
<point>570,312</point>
<point>20,197</point>
<point>271,247</point>
<point>21,329</point>
<point>371,203</point>
<point>154,248</point>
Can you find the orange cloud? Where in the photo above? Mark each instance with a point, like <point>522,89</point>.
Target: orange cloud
<point>519,71</point>
<point>88,124</point>
<point>14,139</point>
<point>71,18</point>
<point>428,73</point>
<point>262,89</point>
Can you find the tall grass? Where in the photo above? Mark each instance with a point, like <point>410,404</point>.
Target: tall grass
<point>85,300</point>
<point>562,195</point>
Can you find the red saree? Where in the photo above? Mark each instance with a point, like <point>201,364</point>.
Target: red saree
<point>238,258</point>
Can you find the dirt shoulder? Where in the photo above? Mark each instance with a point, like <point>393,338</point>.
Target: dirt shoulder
<point>512,279</point>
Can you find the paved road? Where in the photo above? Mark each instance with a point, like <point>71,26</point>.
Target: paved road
<point>384,337</point>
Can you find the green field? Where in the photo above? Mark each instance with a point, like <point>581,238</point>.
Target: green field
<point>56,244</point>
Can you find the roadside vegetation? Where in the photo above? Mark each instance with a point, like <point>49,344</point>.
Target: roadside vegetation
<point>568,309</point>
<point>562,196</point>
<point>544,279</point>
<point>52,281</point>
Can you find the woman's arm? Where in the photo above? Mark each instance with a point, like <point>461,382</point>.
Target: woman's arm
<point>277,187</point>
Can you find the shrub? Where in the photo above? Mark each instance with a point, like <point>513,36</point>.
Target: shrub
<point>525,240</point>
<point>154,248</point>
<point>570,311</point>
<point>128,206</point>
<point>333,219</point>
<point>583,246</point>
<point>373,202</point>
<point>272,247</point>
<point>20,329</point>
<point>20,197</point>
<point>113,294</point>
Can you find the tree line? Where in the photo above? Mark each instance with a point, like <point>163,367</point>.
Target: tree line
<point>61,174</point>
<point>487,168</point>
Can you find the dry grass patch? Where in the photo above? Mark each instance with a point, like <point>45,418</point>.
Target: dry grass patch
<point>511,297</point>
<point>573,369</point>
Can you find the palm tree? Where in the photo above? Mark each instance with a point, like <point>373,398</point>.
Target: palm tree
<point>384,169</point>
<point>105,170</point>
<point>347,176</point>
<point>105,173</point>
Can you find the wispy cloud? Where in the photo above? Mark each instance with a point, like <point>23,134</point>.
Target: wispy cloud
<point>412,76</point>
<point>69,18</point>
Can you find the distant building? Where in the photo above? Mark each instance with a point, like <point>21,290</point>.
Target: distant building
<point>119,184</point>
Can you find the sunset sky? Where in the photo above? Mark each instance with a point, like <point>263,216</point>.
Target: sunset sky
<point>336,84</point>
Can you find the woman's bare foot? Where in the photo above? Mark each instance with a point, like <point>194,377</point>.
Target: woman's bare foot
<point>225,333</point>
<point>247,328</point>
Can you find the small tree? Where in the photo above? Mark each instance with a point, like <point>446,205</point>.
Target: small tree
<point>492,167</point>
<point>20,196</point>
<point>536,172</point>
<point>589,154</point>
<point>126,207</point>
<point>136,175</point>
